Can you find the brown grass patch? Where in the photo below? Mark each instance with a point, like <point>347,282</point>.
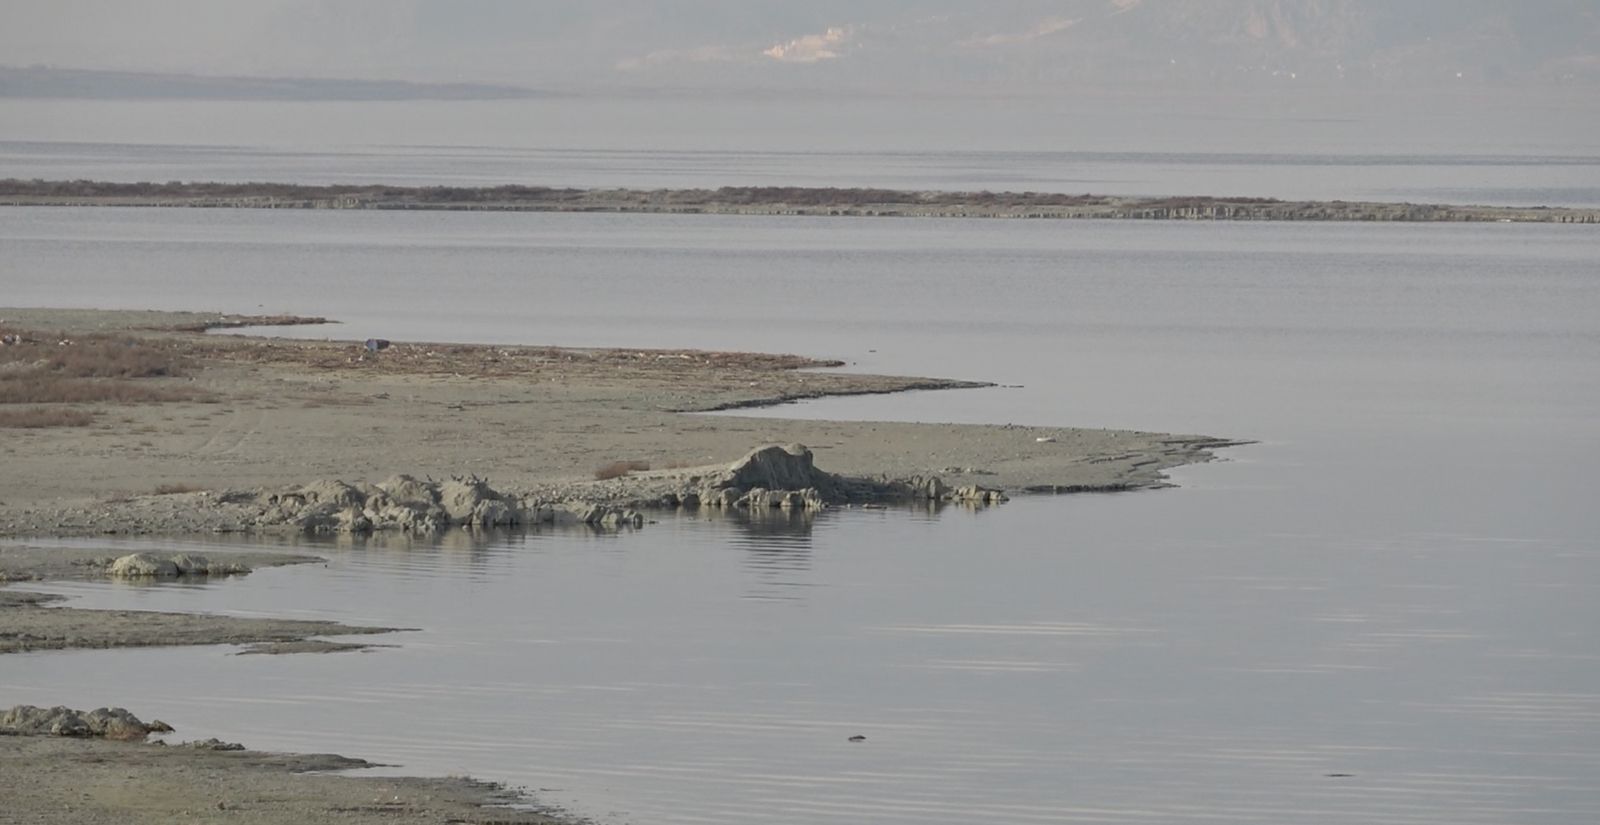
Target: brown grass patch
<point>53,389</point>
<point>95,356</point>
<point>618,469</point>
<point>34,418</point>
<point>56,369</point>
<point>175,489</point>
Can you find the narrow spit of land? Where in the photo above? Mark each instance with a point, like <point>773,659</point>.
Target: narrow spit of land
<point>758,200</point>
<point>139,423</point>
<point>121,421</point>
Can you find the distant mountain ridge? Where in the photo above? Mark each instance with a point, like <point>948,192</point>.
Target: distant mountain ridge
<point>1169,44</point>
<point>46,82</point>
<point>512,50</point>
<point>1379,41</point>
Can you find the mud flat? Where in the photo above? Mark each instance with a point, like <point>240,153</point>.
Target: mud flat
<point>91,781</point>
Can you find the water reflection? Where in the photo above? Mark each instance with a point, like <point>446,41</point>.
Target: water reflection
<point>711,667</point>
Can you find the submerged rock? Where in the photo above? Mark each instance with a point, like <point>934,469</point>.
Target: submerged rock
<point>603,516</point>
<point>929,488</point>
<point>974,494</point>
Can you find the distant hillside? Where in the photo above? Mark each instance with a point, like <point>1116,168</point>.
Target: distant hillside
<point>830,47</point>
<point>1379,42</point>
<point>1109,44</point>
<point>43,82</point>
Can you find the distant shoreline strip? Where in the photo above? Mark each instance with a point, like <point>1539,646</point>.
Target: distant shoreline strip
<point>760,200</point>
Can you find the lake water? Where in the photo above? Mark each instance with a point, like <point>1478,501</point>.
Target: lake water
<point>1170,657</point>
<point>1401,583</point>
<point>1528,149</point>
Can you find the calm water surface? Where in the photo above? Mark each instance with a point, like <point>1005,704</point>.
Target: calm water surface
<point>1530,148</point>
<point>1399,584</point>
<point>1493,179</point>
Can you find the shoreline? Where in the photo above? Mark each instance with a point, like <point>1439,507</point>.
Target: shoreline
<point>129,423</point>
<point>768,201</point>
<point>212,426</point>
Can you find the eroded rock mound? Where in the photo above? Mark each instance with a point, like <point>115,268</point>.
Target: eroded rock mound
<point>152,566</point>
<point>399,503</point>
<point>774,467</point>
<point>110,723</point>
<point>786,477</point>
<point>777,475</point>
<point>597,515</point>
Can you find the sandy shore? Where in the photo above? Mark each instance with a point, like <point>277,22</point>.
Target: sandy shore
<point>135,423</point>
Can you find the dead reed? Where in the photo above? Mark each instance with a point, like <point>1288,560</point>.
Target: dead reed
<point>55,369</point>
<point>618,469</point>
<point>36,418</point>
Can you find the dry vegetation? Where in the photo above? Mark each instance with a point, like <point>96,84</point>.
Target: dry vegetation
<point>534,195</point>
<point>39,368</point>
<point>175,489</point>
<point>618,469</point>
<point>41,417</point>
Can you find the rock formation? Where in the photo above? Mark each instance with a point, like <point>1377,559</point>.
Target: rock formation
<point>110,723</point>
<point>150,565</point>
<point>786,476</point>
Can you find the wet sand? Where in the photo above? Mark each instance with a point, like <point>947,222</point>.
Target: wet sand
<point>47,779</point>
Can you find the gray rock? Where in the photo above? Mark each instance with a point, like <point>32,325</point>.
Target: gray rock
<point>724,498</point>
<point>334,492</point>
<point>352,519</point>
<point>930,488</point>
<point>615,519</point>
<point>143,565</point>
<point>775,467</point>
<point>493,512</point>
<point>975,494</point>
<point>190,564</point>
<point>460,497</point>
<point>538,514</point>
<point>603,516</point>
<point>214,744</point>
<point>404,488</point>
<point>411,517</point>
<point>320,518</point>
<point>110,723</point>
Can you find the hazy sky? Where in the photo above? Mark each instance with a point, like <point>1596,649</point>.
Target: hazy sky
<point>885,44</point>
